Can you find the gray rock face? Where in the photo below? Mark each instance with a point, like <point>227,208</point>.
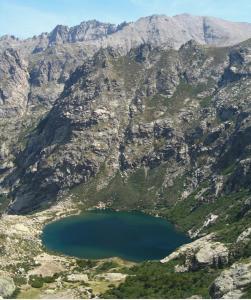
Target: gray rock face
<point>85,31</point>
<point>124,109</point>
<point>158,30</point>
<point>7,287</point>
<point>232,282</point>
<point>137,110</point>
<point>14,85</point>
<point>199,254</point>
<point>50,57</point>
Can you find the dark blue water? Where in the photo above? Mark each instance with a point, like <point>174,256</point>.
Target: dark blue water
<point>102,234</point>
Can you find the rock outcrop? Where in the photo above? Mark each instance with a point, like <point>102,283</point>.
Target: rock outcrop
<point>7,287</point>
<point>232,282</point>
<point>51,57</point>
<point>14,83</point>
<point>199,254</point>
<point>144,109</point>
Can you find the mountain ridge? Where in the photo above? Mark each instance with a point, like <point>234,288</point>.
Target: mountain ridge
<point>103,30</point>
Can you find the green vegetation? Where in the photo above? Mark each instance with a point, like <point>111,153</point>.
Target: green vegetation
<point>15,293</point>
<point>130,70</point>
<point>228,170</point>
<point>138,190</point>
<point>106,266</point>
<point>241,250</point>
<point>183,92</point>
<point>86,264</point>
<point>247,294</point>
<point>19,280</point>
<point>4,202</point>
<point>190,213</point>
<point>156,280</point>
<point>205,102</point>
<point>38,281</point>
<point>218,53</point>
<point>141,190</point>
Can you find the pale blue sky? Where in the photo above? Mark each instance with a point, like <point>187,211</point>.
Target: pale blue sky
<point>25,18</point>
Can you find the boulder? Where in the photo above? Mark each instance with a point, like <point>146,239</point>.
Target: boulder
<point>211,254</point>
<point>200,253</point>
<point>7,286</point>
<point>232,282</point>
<point>244,236</point>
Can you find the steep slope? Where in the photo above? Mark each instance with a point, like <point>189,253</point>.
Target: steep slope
<point>14,85</point>
<point>148,109</point>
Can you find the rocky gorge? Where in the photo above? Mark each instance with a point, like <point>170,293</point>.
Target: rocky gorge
<point>130,117</point>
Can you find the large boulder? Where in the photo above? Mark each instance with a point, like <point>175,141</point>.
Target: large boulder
<point>7,286</point>
<point>211,254</point>
<point>232,282</point>
<point>200,253</point>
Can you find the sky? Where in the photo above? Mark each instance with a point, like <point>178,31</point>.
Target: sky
<point>25,18</point>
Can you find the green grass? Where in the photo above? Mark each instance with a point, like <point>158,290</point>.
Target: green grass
<point>228,170</point>
<point>176,102</point>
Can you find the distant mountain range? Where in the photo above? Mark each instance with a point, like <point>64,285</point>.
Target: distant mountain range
<point>159,30</point>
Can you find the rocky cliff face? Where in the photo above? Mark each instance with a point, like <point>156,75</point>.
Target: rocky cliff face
<point>180,110</point>
<point>14,86</point>
<point>50,57</point>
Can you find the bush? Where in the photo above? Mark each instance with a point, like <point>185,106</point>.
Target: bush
<point>19,280</point>
<point>106,266</point>
<point>86,264</point>
<point>36,281</point>
<point>48,279</point>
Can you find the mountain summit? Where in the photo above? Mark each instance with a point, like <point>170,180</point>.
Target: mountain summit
<point>159,30</point>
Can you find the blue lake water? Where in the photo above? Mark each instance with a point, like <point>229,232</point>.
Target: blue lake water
<point>132,236</point>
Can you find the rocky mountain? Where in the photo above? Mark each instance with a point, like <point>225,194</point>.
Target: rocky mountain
<point>50,57</point>
<point>147,108</point>
<point>152,115</point>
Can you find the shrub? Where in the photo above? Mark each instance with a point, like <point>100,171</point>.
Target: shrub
<point>36,281</point>
<point>86,264</point>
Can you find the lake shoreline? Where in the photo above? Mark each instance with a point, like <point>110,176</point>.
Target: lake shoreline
<point>159,234</point>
